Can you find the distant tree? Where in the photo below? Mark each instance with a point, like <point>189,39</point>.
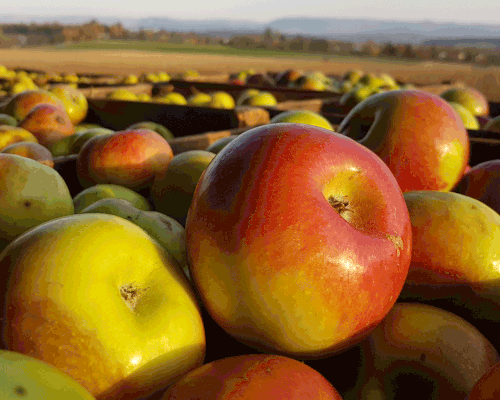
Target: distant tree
<point>389,50</point>
<point>409,52</point>
<point>318,46</point>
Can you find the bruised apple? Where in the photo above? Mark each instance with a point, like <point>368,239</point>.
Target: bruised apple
<point>298,240</point>
<point>255,377</point>
<point>96,297</point>
<point>417,134</point>
<point>130,158</point>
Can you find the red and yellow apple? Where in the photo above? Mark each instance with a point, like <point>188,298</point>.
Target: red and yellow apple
<point>95,296</point>
<point>422,352</point>
<point>253,377</point>
<point>302,117</point>
<point>417,134</point>
<point>21,104</point>
<point>482,182</point>
<point>298,240</point>
<point>129,158</point>
<point>13,134</point>
<point>35,151</point>
<point>470,98</point>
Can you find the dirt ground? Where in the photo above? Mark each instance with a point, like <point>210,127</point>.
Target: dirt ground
<point>485,79</point>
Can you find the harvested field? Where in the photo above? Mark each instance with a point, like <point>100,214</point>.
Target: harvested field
<point>485,79</point>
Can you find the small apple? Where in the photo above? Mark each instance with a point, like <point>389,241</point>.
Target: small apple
<point>417,134</point>
<point>48,123</point>
<point>154,126</point>
<point>130,79</point>
<point>423,352</point>
<point>6,119</point>
<point>219,144</point>
<point>170,98</point>
<point>13,134</point>
<point>84,136</point>
<point>262,99</point>
<point>298,240</point>
<point>199,99</point>
<point>287,77</point>
<point>253,377</point>
<point>21,103</point>
<point>35,151</point>
<point>302,117</point>
<point>172,191</point>
<point>121,94</point>
<point>95,193</point>
<point>130,158</point>
<point>354,96</point>
<point>470,98</point>
<point>240,100</point>
<point>75,102</point>
<point>221,99</point>
<point>25,377</point>
<point>353,76</point>
<point>96,297</point>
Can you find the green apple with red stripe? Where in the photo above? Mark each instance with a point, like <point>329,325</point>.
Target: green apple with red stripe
<point>298,240</point>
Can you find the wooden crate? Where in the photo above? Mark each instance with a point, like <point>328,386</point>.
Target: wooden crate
<point>180,120</point>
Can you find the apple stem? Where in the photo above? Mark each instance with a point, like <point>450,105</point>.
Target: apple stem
<point>340,206</point>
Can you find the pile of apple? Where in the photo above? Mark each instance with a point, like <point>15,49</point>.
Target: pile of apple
<point>299,242</point>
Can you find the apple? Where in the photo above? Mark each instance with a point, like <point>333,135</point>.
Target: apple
<point>241,99</point>
<point>21,103</point>
<point>154,126</point>
<point>422,352</point>
<point>287,77</point>
<point>13,134</point>
<point>130,79</point>
<point>95,193</point>
<point>469,120</point>
<point>28,378</point>
<point>31,193</point>
<point>164,229</point>
<point>417,134</point>
<point>31,150</point>
<point>113,310</point>
<point>454,262</point>
<point>128,158</point>
<point>75,102</point>
<point>48,123</point>
<point>262,99</point>
<point>253,377</point>
<point>298,240</point>
<point>85,135</point>
<point>353,76</point>
<point>172,190</point>
<point>482,182</point>
<point>470,98</point>
<point>122,94</point>
<point>221,99</point>
<point>199,99</point>
<point>488,386</point>
<point>354,96</point>
<point>171,98</point>
<point>302,117</point>
<point>6,119</point>
<point>144,97</point>
<point>493,125</point>
<point>219,144</point>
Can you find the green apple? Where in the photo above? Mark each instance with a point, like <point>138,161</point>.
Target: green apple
<point>84,136</point>
<point>104,191</point>
<point>172,191</point>
<point>470,98</point>
<point>353,97</point>
<point>164,229</point>
<point>62,146</point>
<point>219,144</point>
<point>98,298</point>
<point>302,117</point>
<point>154,126</point>
<point>25,377</point>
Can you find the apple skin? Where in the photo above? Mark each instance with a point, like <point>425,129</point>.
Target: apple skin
<point>302,117</point>
<point>21,104</point>
<point>417,134</point>
<point>124,326</point>
<point>75,102</point>
<point>275,263</point>
<point>253,377</point>
<point>13,134</point>
<point>470,98</point>
<point>455,262</point>
<point>35,151</point>
<point>488,386</point>
<point>28,378</point>
<point>421,351</point>
<point>482,182</point>
<point>129,158</point>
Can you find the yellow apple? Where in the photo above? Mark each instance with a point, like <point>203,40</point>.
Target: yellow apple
<point>122,94</point>
<point>75,102</point>
<point>302,117</point>
<point>95,296</point>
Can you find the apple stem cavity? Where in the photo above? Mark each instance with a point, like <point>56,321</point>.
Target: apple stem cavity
<point>341,206</point>
<point>131,295</point>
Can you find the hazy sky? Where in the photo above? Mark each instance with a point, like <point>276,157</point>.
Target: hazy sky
<point>463,11</point>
